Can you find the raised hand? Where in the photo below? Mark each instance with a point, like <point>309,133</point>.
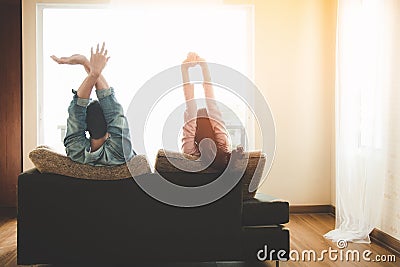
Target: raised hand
<point>75,59</point>
<point>98,60</point>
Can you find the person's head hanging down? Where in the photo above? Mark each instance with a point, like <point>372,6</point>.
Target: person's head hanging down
<point>206,142</point>
<point>95,120</point>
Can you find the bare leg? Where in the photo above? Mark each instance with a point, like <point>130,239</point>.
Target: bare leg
<point>189,128</point>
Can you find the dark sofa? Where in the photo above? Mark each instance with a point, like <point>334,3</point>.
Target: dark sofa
<point>65,220</point>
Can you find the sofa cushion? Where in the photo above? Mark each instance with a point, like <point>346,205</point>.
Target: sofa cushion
<point>168,162</point>
<point>265,210</point>
<point>47,160</point>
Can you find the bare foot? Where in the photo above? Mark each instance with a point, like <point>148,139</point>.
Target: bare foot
<point>72,60</point>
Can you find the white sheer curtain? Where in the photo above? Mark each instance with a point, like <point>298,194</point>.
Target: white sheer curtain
<point>364,85</point>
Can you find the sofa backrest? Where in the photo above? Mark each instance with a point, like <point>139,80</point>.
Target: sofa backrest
<point>253,163</point>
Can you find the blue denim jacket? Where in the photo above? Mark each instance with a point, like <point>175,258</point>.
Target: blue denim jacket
<point>77,145</point>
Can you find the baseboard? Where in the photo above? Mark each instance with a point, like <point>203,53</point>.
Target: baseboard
<point>332,210</point>
<point>378,236</point>
<point>301,209</point>
<point>8,212</point>
<point>386,241</point>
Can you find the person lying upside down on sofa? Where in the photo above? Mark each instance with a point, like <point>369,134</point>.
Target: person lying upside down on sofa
<point>103,118</point>
<point>204,133</point>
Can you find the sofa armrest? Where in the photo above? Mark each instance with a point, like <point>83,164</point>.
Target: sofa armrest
<point>265,210</point>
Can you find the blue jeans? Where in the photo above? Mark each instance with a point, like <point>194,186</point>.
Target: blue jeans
<point>77,145</point>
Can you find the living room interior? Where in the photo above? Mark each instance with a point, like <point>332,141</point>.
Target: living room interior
<point>328,70</point>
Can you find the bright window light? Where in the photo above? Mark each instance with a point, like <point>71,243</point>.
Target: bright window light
<point>142,41</point>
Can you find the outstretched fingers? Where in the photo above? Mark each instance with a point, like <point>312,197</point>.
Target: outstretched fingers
<point>101,51</point>
<point>104,51</point>
<point>61,60</point>
<point>105,54</point>
<point>98,59</point>
<point>102,48</point>
<point>56,59</point>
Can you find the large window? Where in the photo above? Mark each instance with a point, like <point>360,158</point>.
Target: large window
<point>142,41</point>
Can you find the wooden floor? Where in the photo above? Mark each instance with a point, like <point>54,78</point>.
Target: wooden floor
<point>306,232</point>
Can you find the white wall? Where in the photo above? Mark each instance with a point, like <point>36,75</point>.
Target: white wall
<point>295,69</point>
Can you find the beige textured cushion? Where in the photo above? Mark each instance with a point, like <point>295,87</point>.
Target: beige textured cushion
<point>255,159</point>
<point>166,160</point>
<point>48,161</point>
